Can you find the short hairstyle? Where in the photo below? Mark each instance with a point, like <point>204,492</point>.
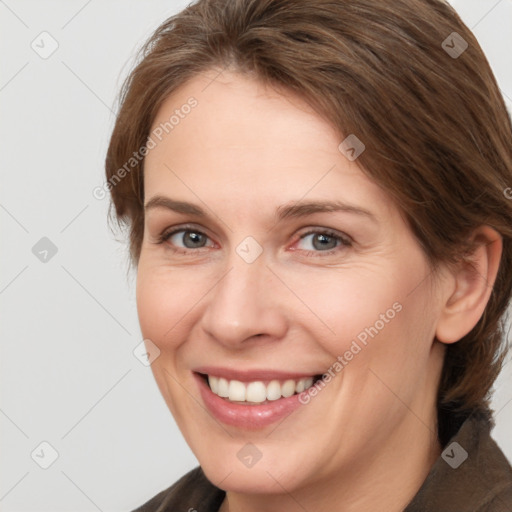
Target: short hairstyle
<point>395,73</point>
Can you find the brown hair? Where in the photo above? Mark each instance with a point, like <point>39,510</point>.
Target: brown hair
<point>437,134</point>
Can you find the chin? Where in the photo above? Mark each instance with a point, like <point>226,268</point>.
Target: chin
<point>247,481</point>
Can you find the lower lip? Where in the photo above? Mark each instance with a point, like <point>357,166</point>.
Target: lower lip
<point>249,417</point>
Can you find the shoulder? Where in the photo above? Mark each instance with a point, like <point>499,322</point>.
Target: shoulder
<point>191,491</point>
<point>471,475</point>
<point>500,502</point>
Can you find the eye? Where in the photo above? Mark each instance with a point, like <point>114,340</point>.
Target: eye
<point>185,238</point>
<point>322,241</point>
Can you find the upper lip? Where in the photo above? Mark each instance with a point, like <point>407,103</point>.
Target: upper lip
<point>251,375</point>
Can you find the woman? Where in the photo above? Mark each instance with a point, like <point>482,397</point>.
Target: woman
<point>315,197</point>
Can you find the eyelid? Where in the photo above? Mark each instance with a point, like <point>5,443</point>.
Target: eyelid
<point>326,231</point>
<point>167,233</point>
<point>344,242</point>
<point>344,239</point>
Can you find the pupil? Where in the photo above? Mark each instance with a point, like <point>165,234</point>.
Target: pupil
<point>194,238</point>
<point>324,241</point>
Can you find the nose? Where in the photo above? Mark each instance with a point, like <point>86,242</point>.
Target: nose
<point>245,305</point>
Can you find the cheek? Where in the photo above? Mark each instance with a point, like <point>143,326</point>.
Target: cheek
<point>367,309</point>
<point>164,299</point>
<point>164,302</point>
<point>345,303</point>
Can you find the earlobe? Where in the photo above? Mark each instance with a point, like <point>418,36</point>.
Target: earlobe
<point>474,278</point>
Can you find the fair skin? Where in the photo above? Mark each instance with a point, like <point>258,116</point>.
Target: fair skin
<point>368,439</point>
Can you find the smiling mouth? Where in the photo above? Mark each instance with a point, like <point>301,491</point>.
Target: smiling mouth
<point>257,392</point>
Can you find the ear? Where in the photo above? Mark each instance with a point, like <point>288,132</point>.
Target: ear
<point>469,286</point>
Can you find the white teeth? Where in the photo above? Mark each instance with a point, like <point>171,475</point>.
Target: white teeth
<point>236,391</point>
<point>299,388</point>
<point>223,388</point>
<point>257,391</point>
<point>288,388</point>
<point>214,384</point>
<point>273,390</point>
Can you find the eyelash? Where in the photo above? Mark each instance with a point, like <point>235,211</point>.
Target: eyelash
<point>345,240</point>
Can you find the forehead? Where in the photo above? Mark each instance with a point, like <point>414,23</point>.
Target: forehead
<point>233,111</point>
<point>243,141</point>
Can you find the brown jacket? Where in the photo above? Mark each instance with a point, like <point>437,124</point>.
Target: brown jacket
<point>472,475</point>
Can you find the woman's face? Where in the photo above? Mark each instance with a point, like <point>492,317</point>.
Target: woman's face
<point>249,272</point>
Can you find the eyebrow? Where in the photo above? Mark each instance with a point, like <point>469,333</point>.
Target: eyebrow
<point>295,210</point>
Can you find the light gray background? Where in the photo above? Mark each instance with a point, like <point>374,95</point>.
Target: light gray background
<point>69,326</point>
